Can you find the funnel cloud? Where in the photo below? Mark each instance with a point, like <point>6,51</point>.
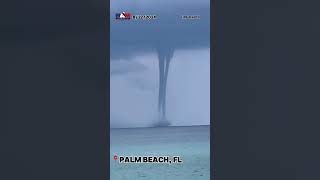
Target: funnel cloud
<point>160,38</point>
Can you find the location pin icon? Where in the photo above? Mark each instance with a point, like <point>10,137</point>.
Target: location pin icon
<point>115,157</point>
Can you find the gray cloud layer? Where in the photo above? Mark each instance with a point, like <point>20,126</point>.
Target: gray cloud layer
<point>134,89</point>
<point>134,37</point>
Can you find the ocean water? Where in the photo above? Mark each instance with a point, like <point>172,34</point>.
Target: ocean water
<point>191,143</point>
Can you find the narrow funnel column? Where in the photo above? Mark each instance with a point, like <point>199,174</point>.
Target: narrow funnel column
<point>161,77</point>
<point>164,58</point>
<point>168,58</point>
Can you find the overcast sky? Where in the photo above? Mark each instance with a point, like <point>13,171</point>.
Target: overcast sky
<point>134,63</point>
<point>134,90</point>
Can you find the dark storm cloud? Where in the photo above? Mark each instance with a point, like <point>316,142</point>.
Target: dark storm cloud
<point>125,67</point>
<point>162,36</point>
<point>132,37</point>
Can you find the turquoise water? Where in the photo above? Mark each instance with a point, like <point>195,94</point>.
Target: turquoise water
<point>191,143</point>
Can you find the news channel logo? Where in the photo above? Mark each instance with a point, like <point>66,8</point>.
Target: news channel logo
<point>128,16</point>
<point>123,16</point>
